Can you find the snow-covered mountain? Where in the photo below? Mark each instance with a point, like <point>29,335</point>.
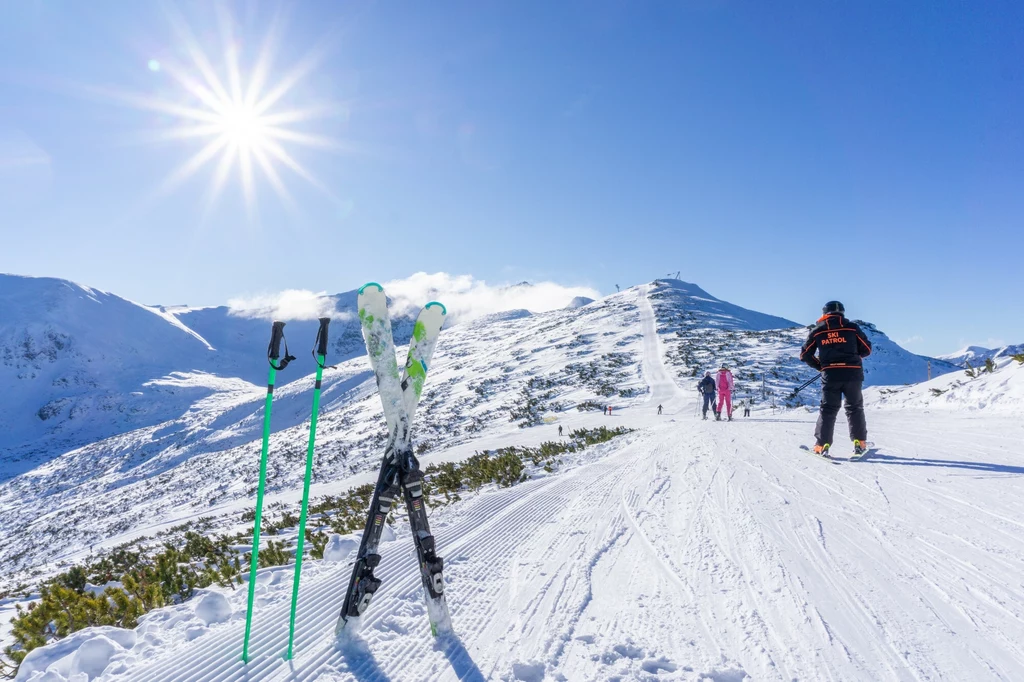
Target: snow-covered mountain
<point>79,365</point>
<point>702,333</point>
<point>976,355</point>
<point>106,399</point>
<point>197,450</point>
<point>687,550</point>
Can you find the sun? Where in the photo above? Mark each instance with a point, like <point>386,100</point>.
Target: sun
<point>242,126</point>
<point>236,115</point>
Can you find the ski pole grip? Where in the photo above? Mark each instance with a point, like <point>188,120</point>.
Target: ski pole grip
<point>321,337</point>
<point>276,336</point>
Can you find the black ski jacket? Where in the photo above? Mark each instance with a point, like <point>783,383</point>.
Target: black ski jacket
<point>841,347</point>
<point>707,385</point>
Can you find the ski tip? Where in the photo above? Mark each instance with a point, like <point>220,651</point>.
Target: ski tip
<point>444,310</point>
<point>370,284</point>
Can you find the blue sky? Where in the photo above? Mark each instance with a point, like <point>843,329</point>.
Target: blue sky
<point>777,154</point>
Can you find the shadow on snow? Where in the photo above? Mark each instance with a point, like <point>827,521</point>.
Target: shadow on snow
<point>945,463</point>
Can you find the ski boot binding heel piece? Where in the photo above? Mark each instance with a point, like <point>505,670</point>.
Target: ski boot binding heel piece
<point>432,567</point>
<point>822,451</point>
<point>365,586</point>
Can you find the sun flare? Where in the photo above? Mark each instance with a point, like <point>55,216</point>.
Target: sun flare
<point>237,113</point>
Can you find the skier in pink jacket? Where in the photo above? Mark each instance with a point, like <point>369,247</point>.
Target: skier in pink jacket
<point>725,385</point>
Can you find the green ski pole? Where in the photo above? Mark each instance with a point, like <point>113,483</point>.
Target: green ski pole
<point>320,353</point>
<point>273,355</point>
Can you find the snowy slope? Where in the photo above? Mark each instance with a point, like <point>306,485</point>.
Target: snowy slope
<point>1001,391</point>
<point>74,362</point>
<point>203,461</point>
<point>689,551</point>
<point>79,365</point>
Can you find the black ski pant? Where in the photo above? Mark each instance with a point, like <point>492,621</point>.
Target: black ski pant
<point>833,390</point>
<point>709,400</point>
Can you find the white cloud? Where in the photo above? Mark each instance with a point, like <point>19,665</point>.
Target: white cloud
<point>291,304</point>
<point>467,298</point>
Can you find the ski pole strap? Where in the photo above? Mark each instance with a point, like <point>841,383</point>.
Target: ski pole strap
<point>320,345</point>
<point>274,349</point>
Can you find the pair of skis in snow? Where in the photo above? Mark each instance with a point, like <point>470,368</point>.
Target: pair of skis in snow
<point>400,473</point>
<point>855,457</point>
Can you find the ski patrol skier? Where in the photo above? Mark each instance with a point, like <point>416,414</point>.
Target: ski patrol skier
<point>841,347</point>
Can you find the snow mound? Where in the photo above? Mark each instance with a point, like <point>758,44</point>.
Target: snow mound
<point>93,657</point>
<point>82,655</point>
<point>213,608</point>
<point>579,302</point>
<point>340,547</point>
<point>1001,390</point>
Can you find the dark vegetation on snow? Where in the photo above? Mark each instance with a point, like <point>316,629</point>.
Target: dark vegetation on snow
<point>124,583</point>
<point>507,466</point>
<point>132,581</point>
<point>987,368</point>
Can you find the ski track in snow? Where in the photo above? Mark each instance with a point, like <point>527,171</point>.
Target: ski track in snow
<point>693,550</point>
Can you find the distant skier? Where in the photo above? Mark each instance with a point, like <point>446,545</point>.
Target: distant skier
<point>746,407</point>
<point>706,388</point>
<point>659,409</point>
<point>725,385</point>
<point>841,347</point>
<point>559,430</point>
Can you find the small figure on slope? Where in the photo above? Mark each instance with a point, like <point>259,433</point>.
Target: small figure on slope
<point>841,347</point>
<point>659,409</point>
<point>706,388</point>
<point>725,384</point>
<point>746,408</point>
<point>559,430</point>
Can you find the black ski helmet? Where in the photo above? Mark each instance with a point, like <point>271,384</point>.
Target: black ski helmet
<point>833,307</point>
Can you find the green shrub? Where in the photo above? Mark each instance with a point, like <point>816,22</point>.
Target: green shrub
<point>507,466</point>
<point>318,543</point>
<point>274,554</point>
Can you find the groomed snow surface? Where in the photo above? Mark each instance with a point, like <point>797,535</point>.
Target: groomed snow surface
<point>689,550</point>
